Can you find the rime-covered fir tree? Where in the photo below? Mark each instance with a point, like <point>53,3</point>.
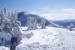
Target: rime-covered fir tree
<point>43,22</point>
<point>31,23</point>
<point>9,25</point>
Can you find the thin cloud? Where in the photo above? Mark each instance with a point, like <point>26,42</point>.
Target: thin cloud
<point>57,14</point>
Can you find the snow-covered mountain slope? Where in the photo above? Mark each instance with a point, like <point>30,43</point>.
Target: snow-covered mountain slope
<point>50,38</point>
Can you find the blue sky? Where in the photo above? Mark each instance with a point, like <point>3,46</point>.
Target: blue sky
<point>51,9</point>
<point>35,5</point>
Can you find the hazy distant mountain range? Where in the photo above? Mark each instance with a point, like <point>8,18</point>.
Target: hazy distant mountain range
<point>67,22</point>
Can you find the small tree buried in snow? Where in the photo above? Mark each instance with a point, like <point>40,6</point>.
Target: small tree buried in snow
<point>43,22</point>
<point>31,23</point>
<point>70,27</point>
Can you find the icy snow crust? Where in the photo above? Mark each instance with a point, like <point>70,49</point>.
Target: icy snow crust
<point>50,38</point>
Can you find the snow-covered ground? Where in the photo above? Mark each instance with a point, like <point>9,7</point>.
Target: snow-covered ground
<point>50,38</point>
<point>4,48</point>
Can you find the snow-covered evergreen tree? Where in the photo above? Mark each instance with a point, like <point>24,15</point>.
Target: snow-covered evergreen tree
<point>32,23</point>
<point>43,22</point>
<point>2,21</point>
<point>9,24</point>
<point>15,25</point>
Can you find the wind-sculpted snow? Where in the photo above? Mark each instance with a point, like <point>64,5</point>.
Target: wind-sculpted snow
<point>32,46</point>
<point>48,39</point>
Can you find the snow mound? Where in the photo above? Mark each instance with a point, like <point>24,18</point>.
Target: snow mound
<point>4,48</point>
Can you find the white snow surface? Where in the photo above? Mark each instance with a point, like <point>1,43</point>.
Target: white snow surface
<point>50,38</point>
<point>4,48</point>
